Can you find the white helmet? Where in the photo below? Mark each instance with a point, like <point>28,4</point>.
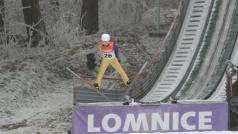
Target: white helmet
<point>105,37</point>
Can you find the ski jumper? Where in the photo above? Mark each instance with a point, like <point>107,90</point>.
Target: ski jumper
<point>109,56</point>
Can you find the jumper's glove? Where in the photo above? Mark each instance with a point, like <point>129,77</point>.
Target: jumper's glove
<point>119,60</point>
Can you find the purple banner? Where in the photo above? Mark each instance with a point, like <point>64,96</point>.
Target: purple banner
<point>142,119</point>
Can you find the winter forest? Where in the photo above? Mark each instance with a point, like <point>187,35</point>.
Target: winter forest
<point>40,38</point>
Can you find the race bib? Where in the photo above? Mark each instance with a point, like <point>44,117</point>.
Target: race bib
<point>109,55</point>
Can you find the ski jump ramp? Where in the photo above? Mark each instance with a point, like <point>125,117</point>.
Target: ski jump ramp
<point>184,51</point>
<point>196,68</point>
<point>200,41</point>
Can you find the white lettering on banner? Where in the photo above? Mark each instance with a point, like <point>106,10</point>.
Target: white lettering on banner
<point>175,125</point>
<point>164,122</point>
<point>91,127</point>
<point>204,120</point>
<point>184,121</point>
<point>156,119</point>
<point>105,123</point>
<point>136,124</point>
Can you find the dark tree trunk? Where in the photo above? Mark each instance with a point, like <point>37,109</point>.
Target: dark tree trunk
<point>4,38</point>
<point>54,4</point>
<point>35,24</point>
<point>89,16</point>
<point>2,15</point>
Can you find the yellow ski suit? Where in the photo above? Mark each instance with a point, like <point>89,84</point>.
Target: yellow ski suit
<point>109,58</point>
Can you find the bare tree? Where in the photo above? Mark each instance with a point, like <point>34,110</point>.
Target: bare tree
<point>35,24</point>
<point>1,15</point>
<point>89,16</point>
<point>3,34</point>
<point>55,9</point>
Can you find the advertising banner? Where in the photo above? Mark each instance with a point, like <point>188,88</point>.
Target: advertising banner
<point>147,119</point>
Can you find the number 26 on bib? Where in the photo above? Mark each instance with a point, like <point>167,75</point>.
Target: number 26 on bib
<point>108,55</point>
